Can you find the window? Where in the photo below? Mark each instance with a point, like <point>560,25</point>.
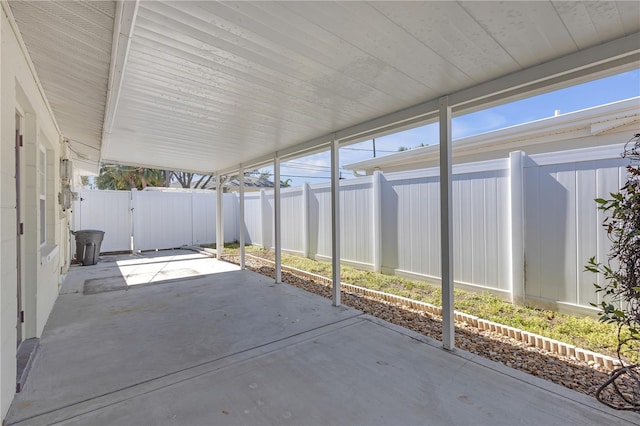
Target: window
<point>42,175</point>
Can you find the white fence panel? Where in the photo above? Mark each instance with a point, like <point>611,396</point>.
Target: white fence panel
<point>204,217</point>
<point>229,216</point>
<point>161,219</point>
<point>320,220</point>
<point>481,229</point>
<point>108,211</point>
<point>356,221</point>
<point>291,203</point>
<point>563,227</point>
<point>253,218</point>
<point>268,224</point>
<point>411,224</point>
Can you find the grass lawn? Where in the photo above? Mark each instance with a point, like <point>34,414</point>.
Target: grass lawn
<point>585,332</point>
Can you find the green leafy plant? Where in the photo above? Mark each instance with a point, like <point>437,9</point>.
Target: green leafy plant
<point>620,304</point>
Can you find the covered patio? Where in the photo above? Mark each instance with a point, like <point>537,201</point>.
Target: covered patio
<point>223,87</point>
<point>175,337</point>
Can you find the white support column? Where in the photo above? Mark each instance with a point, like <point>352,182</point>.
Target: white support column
<point>377,220</point>
<point>276,218</point>
<point>219,218</point>
<point>446,225</point>
<point>516,216</point>
<point>241,217</point>
<point>305,219</point>
<point>335,220</point>
<point>134,217</point>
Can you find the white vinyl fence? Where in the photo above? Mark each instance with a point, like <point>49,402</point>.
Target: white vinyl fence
<point>108,211</point>
<point>524,226</point>
<point>148,220</point>
<point>562,227</point>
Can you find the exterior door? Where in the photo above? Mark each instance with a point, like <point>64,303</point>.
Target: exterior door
<point>19,230</point>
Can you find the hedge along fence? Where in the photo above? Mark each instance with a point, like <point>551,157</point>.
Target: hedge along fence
<point>524,226</point>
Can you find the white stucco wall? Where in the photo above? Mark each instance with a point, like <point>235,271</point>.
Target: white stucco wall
<point>19,92</point>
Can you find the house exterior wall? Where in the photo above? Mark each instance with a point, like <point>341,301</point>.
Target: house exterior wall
<point>43,248</point>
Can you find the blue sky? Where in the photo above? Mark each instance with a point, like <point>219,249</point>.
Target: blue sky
<point>315,168</point>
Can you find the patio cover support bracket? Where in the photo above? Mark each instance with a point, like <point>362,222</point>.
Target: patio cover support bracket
<point>241,216</point>
<point>335,220</point>
<point>219,218</point>
<point>276,218</point>
<point>446,228</point>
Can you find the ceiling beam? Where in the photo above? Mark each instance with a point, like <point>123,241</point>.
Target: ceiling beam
<point>124,22</point>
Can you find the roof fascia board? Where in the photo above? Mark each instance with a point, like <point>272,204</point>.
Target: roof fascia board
<point>601,128</point>
<point>604,59</point>
<point>126,13</point>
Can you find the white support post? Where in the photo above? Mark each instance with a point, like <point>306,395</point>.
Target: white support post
<point>446,225</point>
<point>335,220</point>
<point>241,217</point>
<point>516,202</point>
<point>219,218</point>
<point>377,220</point>
<point>134,217</point>
<point>305,219</point>
<point>276,218</point>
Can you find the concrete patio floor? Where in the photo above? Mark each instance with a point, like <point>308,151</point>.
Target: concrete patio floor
<point>177,338</point>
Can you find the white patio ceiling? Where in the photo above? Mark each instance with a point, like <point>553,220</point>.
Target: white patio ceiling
<point>205,86</point>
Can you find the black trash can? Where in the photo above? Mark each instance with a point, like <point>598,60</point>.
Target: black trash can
<point>88,243</point>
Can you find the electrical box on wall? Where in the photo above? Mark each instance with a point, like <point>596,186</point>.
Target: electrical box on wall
<point>66,170</point>
<point>66,197</point>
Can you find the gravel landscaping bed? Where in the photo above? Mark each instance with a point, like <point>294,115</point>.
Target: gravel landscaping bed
<point>570,372</point>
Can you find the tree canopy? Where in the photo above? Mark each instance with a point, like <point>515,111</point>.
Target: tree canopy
<point>127,177</point>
